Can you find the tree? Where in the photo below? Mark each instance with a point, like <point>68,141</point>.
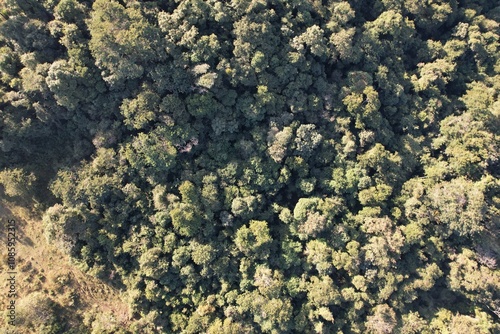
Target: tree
<point>312,215</point>
<point>38,311</point>
<point>186,219</point>
<point>69,11</point>
<point>314,39</point>
<point>17,182</point>
<point>153,264</point>
<point>413,323</point>
<point>383,320</point>
<point>244,207</point>
<point>262,166</point>
<point>67,226</point>
<point>459,204</point>
<point>141,111</point>
<point>307,139</point>
<point>321,291</point>
<point>152,151</point>
<point>477,281</point>
<point>433,15</point>
<point>254,240</point>
<point>122,41</point>
<point>73,84</point>
<point>467,144</point>
<point>319,254</point>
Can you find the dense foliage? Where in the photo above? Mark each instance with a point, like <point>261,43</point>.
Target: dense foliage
<point>253,166</point>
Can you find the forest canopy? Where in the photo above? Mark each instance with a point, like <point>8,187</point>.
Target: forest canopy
<point>253,166</point>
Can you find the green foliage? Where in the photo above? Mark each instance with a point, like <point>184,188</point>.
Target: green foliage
<point>122,41</point>
<point>252,166</point>
<point>153,151</point>
<point>141,110</point>
<point>16,182</point>
<point>37,311</point>
<point>460,204</point>
<point>69,11</point>
<point>254,240</point>
<point>186,220</point>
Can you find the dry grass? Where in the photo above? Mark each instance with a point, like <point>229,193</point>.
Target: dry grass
<point>42,267</point>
